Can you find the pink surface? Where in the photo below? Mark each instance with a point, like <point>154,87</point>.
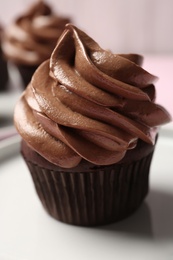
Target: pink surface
<point>162,66</point>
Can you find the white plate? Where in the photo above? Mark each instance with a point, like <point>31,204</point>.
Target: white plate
<point>9,147</point>
<point>9,98</point>
<point>28,232</point>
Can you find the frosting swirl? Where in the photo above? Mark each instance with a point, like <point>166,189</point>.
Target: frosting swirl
<point>88,103</point>
<point>32,37</point>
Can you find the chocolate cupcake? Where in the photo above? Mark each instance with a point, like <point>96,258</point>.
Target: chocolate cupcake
<point>3,67</point>
<point>32,37</point>
<point>89,124</point>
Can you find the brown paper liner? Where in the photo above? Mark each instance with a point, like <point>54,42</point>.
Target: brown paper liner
<point>4,73</point>
<point>100,196</point>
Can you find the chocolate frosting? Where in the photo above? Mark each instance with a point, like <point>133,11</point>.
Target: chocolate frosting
<point>88,103</point>
<point>32,37</point>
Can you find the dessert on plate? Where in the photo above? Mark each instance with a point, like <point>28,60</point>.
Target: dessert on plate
<point>89,125</point>
<point>31,38</point>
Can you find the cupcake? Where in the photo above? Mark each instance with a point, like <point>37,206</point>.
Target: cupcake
<point>89,125</point>
<point>31,38</point>
<point>3,67</point>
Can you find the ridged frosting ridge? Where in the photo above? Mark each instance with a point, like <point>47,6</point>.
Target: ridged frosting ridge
<point>88,103</point>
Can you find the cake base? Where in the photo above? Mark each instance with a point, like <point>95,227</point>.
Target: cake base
<point>90,195</point>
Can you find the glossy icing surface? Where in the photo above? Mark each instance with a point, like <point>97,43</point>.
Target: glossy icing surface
<point>86,102</point>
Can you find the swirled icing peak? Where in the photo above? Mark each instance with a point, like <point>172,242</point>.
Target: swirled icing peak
<point>88,103</point>
<point>32,37</point>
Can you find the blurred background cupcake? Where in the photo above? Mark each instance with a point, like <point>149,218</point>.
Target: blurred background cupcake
<point>3,67</point>
<point>31,37</point>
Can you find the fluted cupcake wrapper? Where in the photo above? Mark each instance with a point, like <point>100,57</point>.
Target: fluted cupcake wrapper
<point>100,196</point>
